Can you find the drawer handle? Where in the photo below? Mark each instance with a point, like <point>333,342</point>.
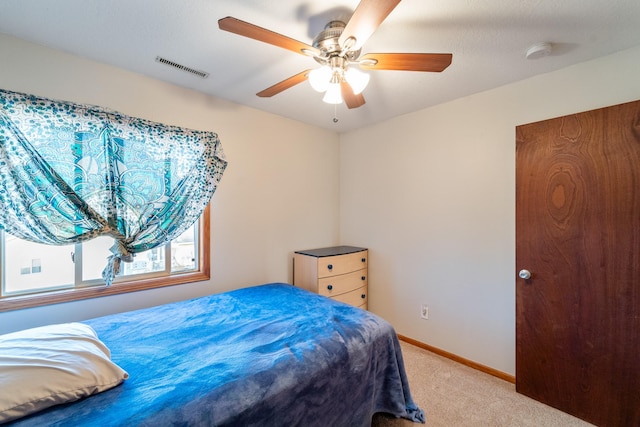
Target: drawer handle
<point>363,278</point>
<point>330,287</point>
<point>363,296</point>
<point>330,266</point>
<point>364,260</point>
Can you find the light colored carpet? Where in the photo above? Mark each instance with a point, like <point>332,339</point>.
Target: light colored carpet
<point>455,395</point>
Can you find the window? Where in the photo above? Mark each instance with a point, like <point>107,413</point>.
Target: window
<point>73,172</point>
<point>33,274</point>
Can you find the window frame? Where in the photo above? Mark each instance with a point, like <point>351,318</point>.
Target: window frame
<point>17,302</point>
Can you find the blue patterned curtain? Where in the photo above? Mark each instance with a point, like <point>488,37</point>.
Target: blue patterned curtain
<point>69,173</point>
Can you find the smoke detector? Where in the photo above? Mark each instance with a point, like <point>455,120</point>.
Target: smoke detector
<point>539,50</point>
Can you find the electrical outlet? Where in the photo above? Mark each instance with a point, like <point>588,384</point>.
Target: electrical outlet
<point>424,312</point>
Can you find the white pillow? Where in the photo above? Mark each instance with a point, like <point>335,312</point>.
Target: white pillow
<point>53,364</point>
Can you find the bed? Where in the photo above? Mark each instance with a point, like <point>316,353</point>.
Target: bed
<point>269,355</point>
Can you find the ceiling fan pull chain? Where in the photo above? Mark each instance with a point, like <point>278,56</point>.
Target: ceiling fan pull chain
<point>335,113</point>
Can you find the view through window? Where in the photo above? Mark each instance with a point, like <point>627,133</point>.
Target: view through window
<point>33,274</point>
<point>32,267</point>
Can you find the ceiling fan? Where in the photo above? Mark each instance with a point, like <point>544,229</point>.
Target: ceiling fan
<point>337,48</point>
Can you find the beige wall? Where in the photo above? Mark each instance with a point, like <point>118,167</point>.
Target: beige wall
<point>279,193</point>
<point>432,194</point>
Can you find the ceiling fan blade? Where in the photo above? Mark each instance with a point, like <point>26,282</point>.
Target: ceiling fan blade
<point>365,20</point>
<point>434,62</point>
<point>284,85</point>
<point>246,29</point>
<point>352,100</point>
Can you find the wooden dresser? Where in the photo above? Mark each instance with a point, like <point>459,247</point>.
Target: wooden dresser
<point>338,272</point>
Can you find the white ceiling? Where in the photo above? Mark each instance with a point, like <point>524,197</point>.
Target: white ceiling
<point>488,40</point>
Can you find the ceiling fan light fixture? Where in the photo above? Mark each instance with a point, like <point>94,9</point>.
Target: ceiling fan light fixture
<point>336,48</point>
<point>319,78</point>
<point>333,94</point>
<point>356,79</point>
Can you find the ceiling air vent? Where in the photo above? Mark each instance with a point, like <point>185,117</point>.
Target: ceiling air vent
<point>198,73</point>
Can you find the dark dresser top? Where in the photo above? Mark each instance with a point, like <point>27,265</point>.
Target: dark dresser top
<point>332,251</point>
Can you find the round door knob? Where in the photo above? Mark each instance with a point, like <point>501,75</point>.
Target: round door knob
<point>330,266</point>
<point>525,274</point>
<point>330,287</point>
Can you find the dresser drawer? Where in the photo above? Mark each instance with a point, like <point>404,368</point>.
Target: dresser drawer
<point>357,297</point>
<point>341,264</point>
<point>336,285</point>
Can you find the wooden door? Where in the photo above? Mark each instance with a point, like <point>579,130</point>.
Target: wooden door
<point>578,233</point>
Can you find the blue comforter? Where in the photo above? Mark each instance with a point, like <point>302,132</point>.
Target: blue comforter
<point>271,355</point>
